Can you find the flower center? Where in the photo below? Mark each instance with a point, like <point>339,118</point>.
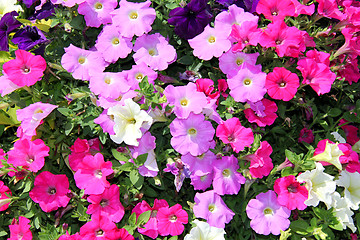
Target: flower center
<point>38,111</point>
<point>172,218</point>
<point>139,76</point>
<point>133,15</point>
<point>99,232</point>
<point>212,207</point>
<point>111,117</point>
<point>98,173</point>
<point>231,138</point>
<point>239,61</point>
<point>247,82</point>
<point>153,213</point>
<point>226,172</point>
<point>107,80</point>
<point>192,131</point>
<point>52,190</point>
<point>268,211</point>
<point>184,102</point>
<point>26,69</point>
<point>152,52</point>
<point>119,98</point>
<point>30,160</point>
<point>278,42</point>
<point>104,202</point>
<point>282,83</point>
<point>98,6</point>
<point>115,41</point>
<point>203,178</point>
<point>81,60</point>
<point>211,39</point>
<point>292,189</point>
<point>132,121</point>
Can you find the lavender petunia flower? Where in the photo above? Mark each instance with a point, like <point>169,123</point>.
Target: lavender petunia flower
<point>28,37</point>
<point>190,20</point>
<point>8,24</point>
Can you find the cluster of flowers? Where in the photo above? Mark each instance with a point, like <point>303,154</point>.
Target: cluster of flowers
<point>126,30</point>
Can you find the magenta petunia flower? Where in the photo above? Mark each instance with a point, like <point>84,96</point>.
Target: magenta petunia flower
<point>20,229</point>
<point>80,149</point>
<point>106,122</point>
<point>263,112</point>
<point>26,69</point>
<point>92,173</point>
<point>155,51</point>
<point>226,179</point>
<point>282,84</point>
<point>192,135</point>
<point>212,42</point>
<point>185,99</point>
<point>134,18</point>
<point>81,63</point>
<point>276,9</point>
<point>107,204</point>
<point>201,181</point>
<point>31,116</point>
<point>4,199</point>
<point>97,12</point>
<point>248,84</point>
<point>112,45</point>
<point>267,215</point>
<point>50,191</point>
<point>260,162</point>
<point>210,206</point>
<point>98,228</point>
<point>29,154</point>
<point>290,193</point>
<point>171,220</point>
<point>202,163</point>
<point>231,131</point>
<point>123,234</point>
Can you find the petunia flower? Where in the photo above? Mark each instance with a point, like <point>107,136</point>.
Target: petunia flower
<point>263,112</point>
<point>282,84</point>
<point>210,206</point>
<point>26,69</point>
<point>290,193</point>
<point>21,228</point>
<point>204,231</point>
<point>50,191</point>
<point>80,149</point>
<point>98,228</point>
<point>267,215</point>
<point>171,220</point>
<point>328,152</point>
<point>97,12</point>
<point>350,181</point>
<point>8,24</point>
<point>4,199</point>
<point>28,37</point>
<point>341,208</point>
<point>189,21</point>
<point>7,6</point>
<point>260,162</point>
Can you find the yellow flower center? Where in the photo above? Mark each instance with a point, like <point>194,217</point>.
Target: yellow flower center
<point>98,6</point>
<point>226,172</point>
<point>268,211</point>
<point>192,131</point>
<point>133,15</point>
<point>107,80</point>
<point>184,102</point>
<point>211,39</point>
<point>211,207</point>
<point>115,41</point>
<point>132,121</point>
<point>239,61</point>
<point>247,81</point>
<point>172,218</point>
<point>152,52</point>
<point>139,76</point>
<point>81,60</point>
<point>38,111</point>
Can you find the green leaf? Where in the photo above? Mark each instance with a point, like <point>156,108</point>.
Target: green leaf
<point>141,159</point>
<point>127,167</point>
<point>143,218</point>
<point>68,128</point>
<point>334,112</point>
<point>119,156</point>
<point>3,233</point>
<point>300,227</point>
<point>65,111</point>
<point>136,179</point>
<point>186,60</point>
<point>132,219</point>
<point>174,238</point>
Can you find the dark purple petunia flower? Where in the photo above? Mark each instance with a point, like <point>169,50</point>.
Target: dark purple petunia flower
<point>47,10</point>
<point>190,20</point>
<point>8,24</point>
<point>28,3</point>
<point>28,37</point>
<point>247,5</point>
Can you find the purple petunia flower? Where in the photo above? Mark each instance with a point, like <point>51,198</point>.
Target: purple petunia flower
<point>28,37</point>
<point>43,11</point>
<point>8,24</point>
<point>267,215</point>
<point>28,3</point>
<point>190,20</point>
<point>247,5</point>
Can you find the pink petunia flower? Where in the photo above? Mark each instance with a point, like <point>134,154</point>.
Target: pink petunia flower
<point>134,18</point>
<point>260,162</point>
<point>106,204</point>
<point>282,84</point>
<point>92,173</point>
<point>275,9</point>
<point>50,191</point>
<point>201,181</point>
<point>248,84</point>
<point>210,206</point>
<point>137,73</point>
<point>267,215</point>
<point>155,51</point>
<point>202,163</point>
<point>171,220</point>
<point>231,62</point>
<point>98,228</point>
<point>4,199</point>
<point>20,229</point>
<point>262,113</point>
<point>226,178</point>
<point>192,135</point>
<point>112,45</point>
<point>123,234</point>
<point>29,154</point>
<point>31,116</point>
<point>231,131</point>
<point>245,35</point>
<point>185,99</point>
<point>6,85</point>
<point>80,149</point>
<point>81,63</point>
<point>212,42</point>
<point>106,122</point>
<point>290,193</point>
<point>108,84</point>
<point>26,69</point>
<point>97,12</point>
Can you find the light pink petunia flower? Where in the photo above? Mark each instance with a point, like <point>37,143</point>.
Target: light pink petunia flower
<point>97,12</point>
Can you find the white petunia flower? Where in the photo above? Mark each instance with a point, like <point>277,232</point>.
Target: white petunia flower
<point>350,181</point>
<point>342,211</point>
<point>204,231</point>
<point>128,120</point>
<point>331,155</point>
<point>8,6</point>
<point>319,184</point>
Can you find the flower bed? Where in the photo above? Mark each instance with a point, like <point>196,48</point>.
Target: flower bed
<point>168,119</point>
